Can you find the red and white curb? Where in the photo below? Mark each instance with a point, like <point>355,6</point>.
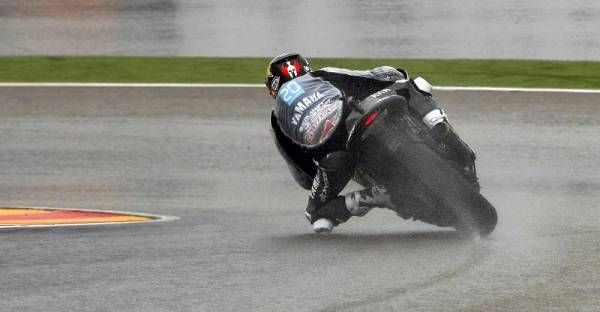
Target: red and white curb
<point>36,217</point>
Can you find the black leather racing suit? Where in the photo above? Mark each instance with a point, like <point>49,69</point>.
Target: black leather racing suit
<point>310,132</point>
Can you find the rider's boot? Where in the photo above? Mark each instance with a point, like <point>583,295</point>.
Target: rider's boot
<point>340,209</point>
<point>360,202</point>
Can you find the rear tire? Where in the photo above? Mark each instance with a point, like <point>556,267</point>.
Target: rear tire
<point>418,172</point>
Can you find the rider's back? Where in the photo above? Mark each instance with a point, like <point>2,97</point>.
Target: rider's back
<point>309,111</point>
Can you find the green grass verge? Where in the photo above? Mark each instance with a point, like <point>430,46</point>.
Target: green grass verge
<point>496,73</point>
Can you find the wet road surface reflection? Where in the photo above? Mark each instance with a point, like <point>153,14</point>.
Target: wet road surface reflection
<point>431,29</point>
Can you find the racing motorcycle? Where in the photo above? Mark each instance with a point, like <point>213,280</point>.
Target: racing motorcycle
<point>398,150</point>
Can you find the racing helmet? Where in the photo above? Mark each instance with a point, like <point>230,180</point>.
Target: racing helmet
<point>284,68</point>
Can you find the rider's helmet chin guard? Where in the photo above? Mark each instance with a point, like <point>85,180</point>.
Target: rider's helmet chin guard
<point>284,68</point>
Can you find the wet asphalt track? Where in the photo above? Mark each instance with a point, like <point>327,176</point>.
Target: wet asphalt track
<point>534,29</point>
<point>242,243</point>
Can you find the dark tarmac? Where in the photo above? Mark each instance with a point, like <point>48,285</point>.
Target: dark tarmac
<point>242,243</point>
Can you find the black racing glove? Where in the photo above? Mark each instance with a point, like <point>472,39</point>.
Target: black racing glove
<point>335,210</point>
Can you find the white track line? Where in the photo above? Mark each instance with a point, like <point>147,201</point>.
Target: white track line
<point>129,85</point>
<point>515,89</point>
<point>232,85</point>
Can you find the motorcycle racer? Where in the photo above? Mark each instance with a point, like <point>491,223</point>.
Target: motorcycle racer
<point>308,125</point>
